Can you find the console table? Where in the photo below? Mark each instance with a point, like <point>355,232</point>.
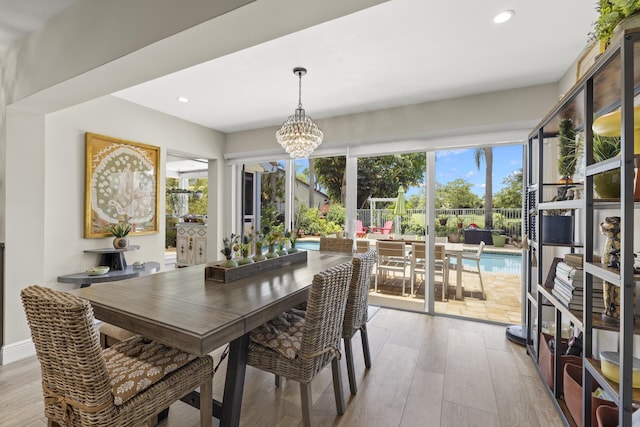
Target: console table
<point>114,258</point>
<point>85,280</point>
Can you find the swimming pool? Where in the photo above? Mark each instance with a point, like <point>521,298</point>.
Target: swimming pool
<point>489,262</point>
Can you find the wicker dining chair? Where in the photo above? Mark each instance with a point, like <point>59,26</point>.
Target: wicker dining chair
<point>317,344</point>
<point>84,385</point>
<point>356,313</point>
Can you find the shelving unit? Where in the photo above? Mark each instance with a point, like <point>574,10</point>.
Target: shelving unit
<point>611,84</point>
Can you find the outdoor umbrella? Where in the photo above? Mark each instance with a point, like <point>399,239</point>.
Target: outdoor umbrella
<point>400,209</point>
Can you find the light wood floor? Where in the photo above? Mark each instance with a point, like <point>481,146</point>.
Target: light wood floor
<point>427,371</point>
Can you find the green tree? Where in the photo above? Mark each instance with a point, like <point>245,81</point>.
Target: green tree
<point>377,176</point>
<point>199,198</point>
<point>486,153</point>
<point>456,194</point>
<point>510,196</point>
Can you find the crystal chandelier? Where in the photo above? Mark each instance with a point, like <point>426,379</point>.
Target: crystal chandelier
<point>299,135</point>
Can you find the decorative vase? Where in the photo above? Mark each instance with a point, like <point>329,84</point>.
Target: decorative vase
<point>557,229</point>
<point>607,184</point>
<point>120,242</point>
<point>282,251</point>
<point>453,237</point>
<point>292,250</point>
<point>229,263</point>
<point>271,253</point>
<point>259,256</point>
<point>245,260</point>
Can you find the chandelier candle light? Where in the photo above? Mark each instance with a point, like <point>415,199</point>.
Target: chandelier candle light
<point>299,135</point>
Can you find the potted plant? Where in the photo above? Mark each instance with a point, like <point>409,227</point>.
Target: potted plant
<point>442,219</point>
<point>612,13</point>
<point>606,184</point>
<point>293,238</point>
<point>258,239</point>
<point>569,148</point>
<point>455,233</point>
<point>498,239</point>
<point>120,232</point>
<point>245,245</point>
<point>230,245</point>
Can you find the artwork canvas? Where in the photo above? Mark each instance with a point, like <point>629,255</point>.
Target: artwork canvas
<point>121,185</point>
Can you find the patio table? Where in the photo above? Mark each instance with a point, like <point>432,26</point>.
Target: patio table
<point>451,250</point>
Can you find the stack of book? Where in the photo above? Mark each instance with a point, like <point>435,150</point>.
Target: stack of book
<point>568,287</point>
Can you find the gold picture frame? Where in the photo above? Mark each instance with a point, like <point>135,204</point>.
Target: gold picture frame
<point>122,184</point>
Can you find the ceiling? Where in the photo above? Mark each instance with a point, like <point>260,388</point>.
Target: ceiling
<point>397,53</point>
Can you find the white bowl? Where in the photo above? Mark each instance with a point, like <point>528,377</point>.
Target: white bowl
<point>98,271</point>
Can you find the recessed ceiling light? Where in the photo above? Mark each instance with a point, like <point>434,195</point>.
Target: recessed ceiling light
<point>183,99</point>
<point>503,16</point>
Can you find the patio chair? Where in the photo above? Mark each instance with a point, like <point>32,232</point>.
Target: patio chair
<point>475,257</point>
<point>418,265</point>
<point>333,244</point>
<point>363,246</point>
<point>84,385</point>
<point>385,229</point>
<point>360,230</point>
<point>355,316</point>
<point>392,257</point>
<point>298,350</point>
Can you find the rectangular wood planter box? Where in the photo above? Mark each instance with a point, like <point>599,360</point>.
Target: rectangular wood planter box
<point>218,273</point>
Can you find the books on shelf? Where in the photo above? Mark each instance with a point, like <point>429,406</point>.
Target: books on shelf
<point>568,288</point>
<point>574,260</point>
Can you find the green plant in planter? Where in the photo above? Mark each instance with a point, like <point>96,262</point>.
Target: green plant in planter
<point>612,12</point>
<point>606,184</point>
<point>569,148</point>
<point>120,231</point>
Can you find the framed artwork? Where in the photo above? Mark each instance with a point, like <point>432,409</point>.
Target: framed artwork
<point>121,185</point>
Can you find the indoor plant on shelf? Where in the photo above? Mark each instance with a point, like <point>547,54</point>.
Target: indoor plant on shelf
<point>611,14</point>
<point>606,184</point>
<point>569,151</point>
<point>120,231</point>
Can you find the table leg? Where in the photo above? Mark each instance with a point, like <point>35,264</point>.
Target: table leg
<point>458,276</point>
<point>234,382</point>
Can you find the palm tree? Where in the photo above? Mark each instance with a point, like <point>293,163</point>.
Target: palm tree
<point>487,154</point>
<point>312,182</point>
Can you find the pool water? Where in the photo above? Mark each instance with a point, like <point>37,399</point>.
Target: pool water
<point>489,262</point>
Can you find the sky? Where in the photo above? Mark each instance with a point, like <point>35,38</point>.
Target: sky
<point>454,164</point>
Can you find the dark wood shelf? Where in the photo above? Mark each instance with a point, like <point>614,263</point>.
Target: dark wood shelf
<point>611,387</point>
<point>574,316</point>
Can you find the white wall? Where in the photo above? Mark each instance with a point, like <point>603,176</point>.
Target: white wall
<point>51,193</point>
<point>89,51</point>
<point>490,113</point>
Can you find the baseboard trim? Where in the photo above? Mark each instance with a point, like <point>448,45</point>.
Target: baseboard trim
<point>17,351</point>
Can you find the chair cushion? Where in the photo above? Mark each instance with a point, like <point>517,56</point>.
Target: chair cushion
<point>137,363</point>
<point>282,334</point>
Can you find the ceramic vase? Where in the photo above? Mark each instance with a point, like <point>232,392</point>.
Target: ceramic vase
<point>271,253</point>
<point>120,242</point>
<point>229,263</point>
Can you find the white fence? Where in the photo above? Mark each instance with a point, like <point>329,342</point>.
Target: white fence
<point>509,221</point>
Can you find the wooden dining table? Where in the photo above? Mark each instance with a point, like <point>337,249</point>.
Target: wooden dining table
<point>182,309</point>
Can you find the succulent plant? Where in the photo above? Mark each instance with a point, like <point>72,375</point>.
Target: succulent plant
<point>121,229</point>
